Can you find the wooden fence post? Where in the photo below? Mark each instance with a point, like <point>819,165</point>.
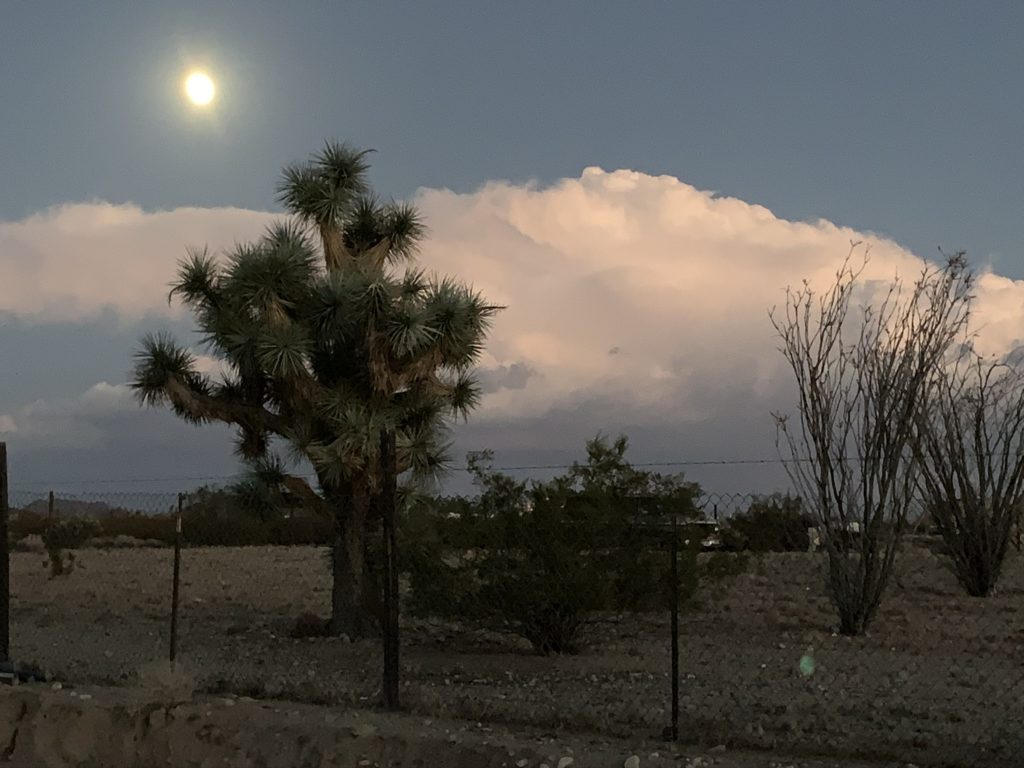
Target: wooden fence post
<point>176,581</point>
<point>5,563</point>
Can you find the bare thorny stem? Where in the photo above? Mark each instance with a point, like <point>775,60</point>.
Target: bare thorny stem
<point>970,444</point>
<point>861,376</point>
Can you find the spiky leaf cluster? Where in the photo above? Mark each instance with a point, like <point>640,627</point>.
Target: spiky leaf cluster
<point>325,341</point>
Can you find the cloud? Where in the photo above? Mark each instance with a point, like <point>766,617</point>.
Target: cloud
<point>645,291</point>
<point>634,302</point>
<point>513,376</point>
<point>80,422</point>
<point>73,261</point>
<point>103,435</point>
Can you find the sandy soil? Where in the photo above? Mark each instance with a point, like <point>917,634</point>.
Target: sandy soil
<point>939,681</point>
<point>145,727</point>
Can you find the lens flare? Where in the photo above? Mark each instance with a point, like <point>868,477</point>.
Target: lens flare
<point>807,665</point>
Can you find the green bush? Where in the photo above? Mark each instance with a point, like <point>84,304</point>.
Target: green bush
<point>24,523</point>
<point>67,533</point>
<point>70,533</point>
<point>218,519</point>
<point>210,518</point>
<point>543,560</point>
<point>771,524</point>
<point>302,531</point>
<point>723,565</point>
<point>139,526</point>
<point>541,566</point>
<point>210,528</point>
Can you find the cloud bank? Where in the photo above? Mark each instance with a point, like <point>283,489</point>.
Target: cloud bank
<point>634,302</point>
<point>73,261</point>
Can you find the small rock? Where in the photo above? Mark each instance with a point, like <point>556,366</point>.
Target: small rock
<point>363,730</point>
<point>632,762</point>
<point>522,763</point>
<point>56,686</point>
<point>565,762</point>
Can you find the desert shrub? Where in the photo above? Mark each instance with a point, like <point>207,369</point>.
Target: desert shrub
<point>212,527</point>
<point>220,518</point>
<point>723,565</point>
<point>541,565</point>
<point>70,533</point>
<point>209,527</point>
<point>239,530</point>
<point>210,519</point>
<point>138,526</point>
<point>65,534</point>
<point>307,530</point>
<point>543,560</point>
<point>24,522</point>
<point>774,523</point>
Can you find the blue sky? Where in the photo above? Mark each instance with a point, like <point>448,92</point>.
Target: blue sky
<point>902,119</point>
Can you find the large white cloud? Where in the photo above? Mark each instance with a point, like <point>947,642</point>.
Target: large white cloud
<point>646,291</point>
<point>72,261</point>
<point>633,301</point>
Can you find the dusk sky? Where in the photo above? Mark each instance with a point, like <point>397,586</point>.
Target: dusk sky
<point>636,182</point>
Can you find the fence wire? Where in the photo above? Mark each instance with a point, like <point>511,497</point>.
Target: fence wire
<point>555,623</point>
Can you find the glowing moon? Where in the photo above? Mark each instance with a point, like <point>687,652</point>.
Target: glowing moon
<point>199,88</point>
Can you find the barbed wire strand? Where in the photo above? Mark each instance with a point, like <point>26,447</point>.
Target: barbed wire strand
<point>311,476</point>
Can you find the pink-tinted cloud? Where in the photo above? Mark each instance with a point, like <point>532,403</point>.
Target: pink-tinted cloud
<point>72,261</point>
<point>677,281</point>
<point>633,301</point>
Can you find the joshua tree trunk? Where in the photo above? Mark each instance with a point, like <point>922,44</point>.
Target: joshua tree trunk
<point>353,602</point>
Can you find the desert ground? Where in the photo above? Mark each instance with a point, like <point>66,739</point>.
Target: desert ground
<point>938,681</point>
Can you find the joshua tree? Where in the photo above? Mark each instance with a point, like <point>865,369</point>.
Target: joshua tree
<point>333,345</point>
<point>970,443</point>
<point>861,377</point>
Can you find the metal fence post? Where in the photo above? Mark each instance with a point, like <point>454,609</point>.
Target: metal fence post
<point>176,580</point>
<point>51,506</point>
<point>674,568</point>
<point>389,525</point>
<point>5,563</point>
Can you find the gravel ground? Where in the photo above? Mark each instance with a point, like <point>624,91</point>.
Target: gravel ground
<point>939,681</point>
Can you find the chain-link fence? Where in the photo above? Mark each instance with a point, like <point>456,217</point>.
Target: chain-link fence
<point>558,617</point>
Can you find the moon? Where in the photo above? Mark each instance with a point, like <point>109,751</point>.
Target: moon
<point>199,88</point>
